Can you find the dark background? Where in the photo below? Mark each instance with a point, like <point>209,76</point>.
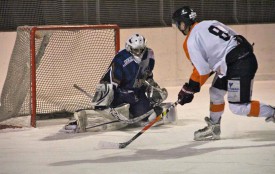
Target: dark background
<point>129,13</point>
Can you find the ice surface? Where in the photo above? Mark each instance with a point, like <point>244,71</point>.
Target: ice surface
<point>247,145</point>
<point>108,145</point>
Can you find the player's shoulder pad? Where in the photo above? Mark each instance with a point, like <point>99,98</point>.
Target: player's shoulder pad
<point>122,55</point>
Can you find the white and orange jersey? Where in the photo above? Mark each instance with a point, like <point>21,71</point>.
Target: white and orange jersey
<point>206,46</point>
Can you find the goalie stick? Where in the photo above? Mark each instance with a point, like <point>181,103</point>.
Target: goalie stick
<point>111,145</point>
<point>83,91</point>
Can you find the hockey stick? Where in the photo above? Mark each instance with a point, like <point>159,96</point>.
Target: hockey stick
<point>111,145</point>
<point>83,91</point>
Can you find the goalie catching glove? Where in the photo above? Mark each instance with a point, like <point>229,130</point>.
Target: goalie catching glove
<point>186,94</point>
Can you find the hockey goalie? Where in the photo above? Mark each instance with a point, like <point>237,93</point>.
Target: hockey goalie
<point>127,94</point>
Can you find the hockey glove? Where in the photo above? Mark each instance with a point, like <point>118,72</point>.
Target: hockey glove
<point>186,94</point>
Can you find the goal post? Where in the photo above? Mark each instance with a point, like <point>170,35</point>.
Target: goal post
<point>48,60</point>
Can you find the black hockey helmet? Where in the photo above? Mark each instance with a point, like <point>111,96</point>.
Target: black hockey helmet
<point>184,14</point>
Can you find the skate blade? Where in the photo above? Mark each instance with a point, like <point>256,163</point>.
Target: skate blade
<point>270,119</point>
<point>207,139</point>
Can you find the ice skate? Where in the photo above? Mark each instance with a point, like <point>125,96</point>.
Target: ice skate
<point>72,125</point>
<point>210,132</point>
<point>272,118</point>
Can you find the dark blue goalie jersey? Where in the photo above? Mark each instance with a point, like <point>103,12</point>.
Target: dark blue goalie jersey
<point>126,73</point>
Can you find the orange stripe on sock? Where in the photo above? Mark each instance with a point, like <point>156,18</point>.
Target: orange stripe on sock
<point>254,109</point>
<point>216,108</point>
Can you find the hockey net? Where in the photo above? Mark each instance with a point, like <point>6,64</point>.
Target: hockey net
<point>48,60</point>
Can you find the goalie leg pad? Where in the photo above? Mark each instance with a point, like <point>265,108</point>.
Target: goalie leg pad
<point>121,112</point>
<point>81,118</point>
<point>95,117</point>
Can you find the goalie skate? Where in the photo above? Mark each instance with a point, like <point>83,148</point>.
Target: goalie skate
<point>210,132</point>
<point>71,127</point>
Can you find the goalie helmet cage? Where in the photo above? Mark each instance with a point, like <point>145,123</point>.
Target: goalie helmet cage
<point>48,60</point>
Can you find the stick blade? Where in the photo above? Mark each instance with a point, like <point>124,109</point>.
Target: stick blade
<point>108,145</point>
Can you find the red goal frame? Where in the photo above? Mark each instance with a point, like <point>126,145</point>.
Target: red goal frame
<point>32,54</point>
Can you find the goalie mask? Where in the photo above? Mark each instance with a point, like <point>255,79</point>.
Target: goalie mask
<point>184,18</point>
<point>136,45</point>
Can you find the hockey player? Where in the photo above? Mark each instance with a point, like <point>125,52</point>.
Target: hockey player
<point>126,77</point>
<point>213,47</point>
<point>128,86</point>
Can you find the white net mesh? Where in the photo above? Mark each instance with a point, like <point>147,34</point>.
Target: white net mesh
<point>64,56</point>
